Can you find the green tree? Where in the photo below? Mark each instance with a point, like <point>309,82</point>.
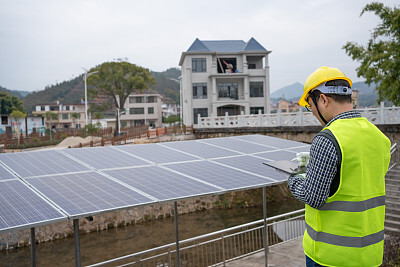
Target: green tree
<point>9,103</point>
<point>117,80</point>
<point>380,58</point>
<point>75,116</point>
<point>17,116</point>
<point>172,119</point>
<point>50,117</point>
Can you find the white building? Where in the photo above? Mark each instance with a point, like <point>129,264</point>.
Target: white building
<point>65,118</point>
<point>221,77</point>
<point>142,109</point>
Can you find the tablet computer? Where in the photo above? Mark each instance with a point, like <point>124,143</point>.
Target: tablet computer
<point>286,166</point>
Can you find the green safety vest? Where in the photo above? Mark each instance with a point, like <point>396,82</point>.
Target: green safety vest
<point>348,230</point>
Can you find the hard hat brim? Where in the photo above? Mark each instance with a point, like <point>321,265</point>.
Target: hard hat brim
<point>303,101</point>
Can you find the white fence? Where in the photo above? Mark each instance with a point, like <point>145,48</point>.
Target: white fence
<point>380,115</point>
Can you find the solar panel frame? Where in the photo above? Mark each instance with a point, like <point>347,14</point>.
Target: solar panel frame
<point>104,157</point>
<point>189,160</point>
<point>16,196</point>
<point>30,164</point>
<point>220,175</point>
<point>202,149</point>
<point>156,153</point>
<point>63,190</point>
<point>146,179</point>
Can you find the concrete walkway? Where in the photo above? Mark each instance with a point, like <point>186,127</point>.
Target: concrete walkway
<point>286,254</point>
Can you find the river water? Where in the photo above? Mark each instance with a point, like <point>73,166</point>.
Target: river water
<point>112,243</point>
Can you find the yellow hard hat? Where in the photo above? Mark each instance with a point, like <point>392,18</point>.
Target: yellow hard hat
<point>321,75</point>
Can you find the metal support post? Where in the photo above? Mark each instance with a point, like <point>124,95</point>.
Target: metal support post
<point>178,262</point>
<point>33,247</point>
<point>77,244</point>
<point>265,226</point>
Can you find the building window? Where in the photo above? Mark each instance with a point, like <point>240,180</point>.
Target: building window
<point>136,111</point>
<point>66,107</point>
<point>65,116</point>
<point>138,122</point>
<point>199,65</point>
<point>254,110</point>
<point>152,123</point>
<point>151,99</point>
<point>42,108</point>
<point>150,110</point>
<point>251,66</point>
<point>256,89</point>
<point>199,90</point>
<point>4,120</point>
<point>123,124</point>
<point>54,108</point>
<point>228,90</point>
<point>136,99</point>
<point>202,111</point>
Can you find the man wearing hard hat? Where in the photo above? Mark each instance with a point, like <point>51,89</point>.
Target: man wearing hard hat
<point>344,184</point>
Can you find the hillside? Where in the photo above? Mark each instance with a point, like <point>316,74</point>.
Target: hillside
<point>16,93</point>
<point>70,92</point>
<point>367,95</point>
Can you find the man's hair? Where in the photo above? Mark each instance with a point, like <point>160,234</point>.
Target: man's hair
<point>337,98</point>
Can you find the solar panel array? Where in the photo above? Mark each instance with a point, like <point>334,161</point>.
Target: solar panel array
<point>46,186</point>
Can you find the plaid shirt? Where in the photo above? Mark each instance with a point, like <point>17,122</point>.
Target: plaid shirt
<point>321,169</point>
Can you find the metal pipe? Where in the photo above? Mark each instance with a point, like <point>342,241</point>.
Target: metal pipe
<point>33,247</point>
<point>265,226</point>
<point>77,244</point>
<point>178,262</point>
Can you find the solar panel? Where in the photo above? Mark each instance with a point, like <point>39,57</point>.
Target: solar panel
<point>87,193</point>
<point>221,176</point>
<point>5,174</point>
<point>27,164</point>
<point>274,142</point>
<point>161,183</point>
<point>88,181</point>
<point>104,157</point>
<point>278,155</point>
<point>238,145</point>
<point>201,149</point>
<point>20,206</point>
<point>251,164</point>
<point>156,153</point>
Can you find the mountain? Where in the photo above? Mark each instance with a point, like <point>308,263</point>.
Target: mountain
<point>367,95</point>
<point>19,94</point>
<point>73,91</point>
<point>288,92</point>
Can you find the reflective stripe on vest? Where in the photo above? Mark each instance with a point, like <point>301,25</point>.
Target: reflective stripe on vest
<point>345,241</point>
<point>359,206</point>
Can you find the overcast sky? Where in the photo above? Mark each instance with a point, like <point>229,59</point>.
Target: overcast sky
<point>43,42</point>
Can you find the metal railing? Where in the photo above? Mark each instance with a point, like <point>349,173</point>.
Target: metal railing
<point>219,247</point>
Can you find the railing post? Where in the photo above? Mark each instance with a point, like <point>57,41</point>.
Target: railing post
<point>278,118</point>
<point>178,262</point>
<point>33,247</point>
<point>226,119</point>
<point>382,112</point>
<point>300,117</point>
<point>265,226</point>
<point>77,244</point>
<point>223,249</point>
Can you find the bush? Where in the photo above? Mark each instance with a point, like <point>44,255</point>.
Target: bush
<point>37,143</point>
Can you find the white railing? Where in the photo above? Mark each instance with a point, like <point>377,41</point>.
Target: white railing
<point>380,115</point>
<point>219,247</point>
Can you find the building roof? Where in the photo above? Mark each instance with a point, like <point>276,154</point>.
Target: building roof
<point>224,46</point>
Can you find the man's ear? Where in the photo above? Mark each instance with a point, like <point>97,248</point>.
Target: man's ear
<point>324,99</point>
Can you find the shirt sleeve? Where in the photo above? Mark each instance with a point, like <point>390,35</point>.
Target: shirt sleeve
<point>321,170</point>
